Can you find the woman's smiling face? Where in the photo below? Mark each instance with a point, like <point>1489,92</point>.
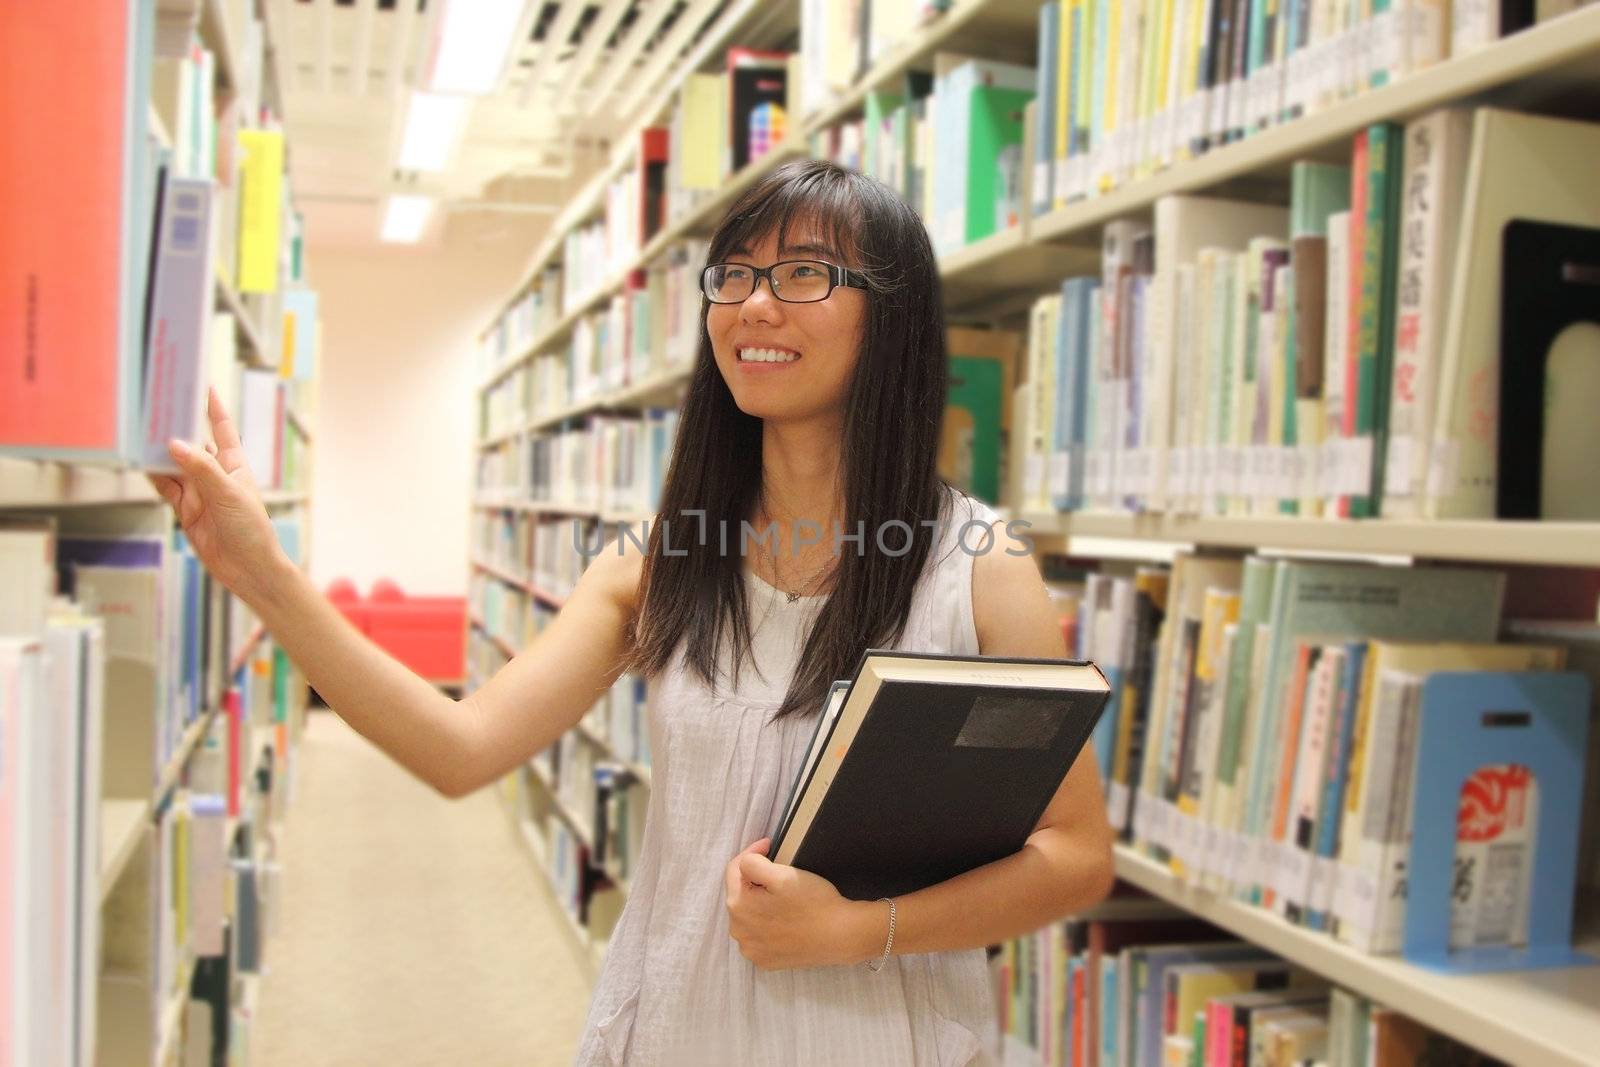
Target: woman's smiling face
<point>781,360</point>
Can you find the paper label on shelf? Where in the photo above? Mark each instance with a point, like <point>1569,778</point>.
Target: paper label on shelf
<point>1238,101</point>
<point>1117,803</point>
<point>1357,898</point>
<point>1060,473</point>
<point>1294,874</point>
<point>1191,119</point>
<point>1033,475</point>
<point>1177,476</point>
<point>1062,181</point>
<point>1310,470</point>
<point>1041,185</point>
<point>1443,465</point>
<point>1217,111</point>
<point>1397,466</point>
<point>1360,466</point>
<point>1261,473</point>
<point>1389,44</point>
<point>1324,884</point>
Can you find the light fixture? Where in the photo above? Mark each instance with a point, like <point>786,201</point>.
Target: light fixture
<point>405,216</point>
<point>470,42</point>
<point>433,125</point>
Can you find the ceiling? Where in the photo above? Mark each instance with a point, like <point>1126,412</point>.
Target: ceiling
<point>575,81</point>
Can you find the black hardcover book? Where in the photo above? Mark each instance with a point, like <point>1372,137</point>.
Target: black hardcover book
<point>934,765</point>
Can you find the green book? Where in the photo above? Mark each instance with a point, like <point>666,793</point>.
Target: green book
<point>970,445</point>
<point>1380,254</point>
<point>994,161</point>
<point>879,111</point>
<point>280,685</point>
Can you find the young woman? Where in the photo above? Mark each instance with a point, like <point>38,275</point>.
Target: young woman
<point>807,524</point>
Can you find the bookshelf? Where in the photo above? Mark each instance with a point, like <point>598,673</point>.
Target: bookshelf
<point>131,996</point>
<point>1544,1017</point>
<point>1554,67</point>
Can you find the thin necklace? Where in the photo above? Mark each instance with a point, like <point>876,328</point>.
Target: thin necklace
<point>777,571</point>
<point>795,596</point>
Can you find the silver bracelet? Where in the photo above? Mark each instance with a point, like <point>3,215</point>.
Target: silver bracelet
<point>888,945</point>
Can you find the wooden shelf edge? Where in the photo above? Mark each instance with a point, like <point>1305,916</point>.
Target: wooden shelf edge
<point>1574,544</point>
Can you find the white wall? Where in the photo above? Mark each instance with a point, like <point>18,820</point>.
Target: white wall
<point>395,411</point>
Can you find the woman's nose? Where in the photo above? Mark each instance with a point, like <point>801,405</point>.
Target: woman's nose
<point>762,305</point>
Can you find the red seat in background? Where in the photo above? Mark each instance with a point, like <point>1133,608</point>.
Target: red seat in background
<point>426,633</point>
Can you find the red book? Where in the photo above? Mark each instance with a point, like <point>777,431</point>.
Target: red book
<point>652,181</point>
<point>73,115</point>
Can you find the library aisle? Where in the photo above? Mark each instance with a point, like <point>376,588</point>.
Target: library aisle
<point>1275,323</point>
<point>410,933</point>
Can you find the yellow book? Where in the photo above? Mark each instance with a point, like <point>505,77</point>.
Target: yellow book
<point>260,210</point>
<point>1220,611</point>
<point>1064,86</point>
<point>703,107</point>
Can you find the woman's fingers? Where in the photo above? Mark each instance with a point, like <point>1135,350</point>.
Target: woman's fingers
<point>170,489</point>
<point>229,451</point>
<point>202,468</point>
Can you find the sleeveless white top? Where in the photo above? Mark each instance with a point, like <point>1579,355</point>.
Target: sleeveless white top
<point>674,988</point>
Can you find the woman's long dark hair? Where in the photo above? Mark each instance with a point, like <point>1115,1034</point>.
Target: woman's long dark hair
<point>889,453</point>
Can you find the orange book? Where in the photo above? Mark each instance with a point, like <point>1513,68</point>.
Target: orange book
<point>1305,656</point>
<point>73,115</point>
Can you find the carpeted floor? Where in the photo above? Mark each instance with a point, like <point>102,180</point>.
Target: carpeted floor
<point>413,931</point>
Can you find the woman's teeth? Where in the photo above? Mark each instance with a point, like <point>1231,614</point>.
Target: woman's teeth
<point>767,355</point>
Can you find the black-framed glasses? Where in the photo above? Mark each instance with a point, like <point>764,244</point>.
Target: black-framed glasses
<point>794,281</point>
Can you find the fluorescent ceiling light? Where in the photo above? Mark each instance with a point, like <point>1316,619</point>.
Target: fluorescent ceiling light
<point>433,126</point>
<point>405,217</point>
<point>471,40</point>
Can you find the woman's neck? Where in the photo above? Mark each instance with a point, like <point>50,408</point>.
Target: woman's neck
<point>801,473</point>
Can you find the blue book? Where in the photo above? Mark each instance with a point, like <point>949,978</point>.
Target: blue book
<point>1045,112</point>
<point>1072,383</point>
<point>1333,782</point>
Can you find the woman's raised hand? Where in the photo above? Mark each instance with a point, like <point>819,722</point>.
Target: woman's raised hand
<point>218,505</point>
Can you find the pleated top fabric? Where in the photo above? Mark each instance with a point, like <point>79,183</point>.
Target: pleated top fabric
<point>674,988</point>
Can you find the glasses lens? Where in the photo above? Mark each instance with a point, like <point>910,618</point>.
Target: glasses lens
<point>802,282</point>
<point>727,283</point>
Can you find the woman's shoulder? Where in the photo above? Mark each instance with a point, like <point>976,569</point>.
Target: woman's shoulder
<point>618,571</point>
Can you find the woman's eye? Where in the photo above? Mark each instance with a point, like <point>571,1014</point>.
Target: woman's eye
<point>805,271</point>
<point>736,274</point>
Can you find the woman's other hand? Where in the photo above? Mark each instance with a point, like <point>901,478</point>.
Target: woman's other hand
<point>783,917</point>
<point>219,507</point>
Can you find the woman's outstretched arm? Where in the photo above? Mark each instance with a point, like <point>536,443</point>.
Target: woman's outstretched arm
<point>454,746</point>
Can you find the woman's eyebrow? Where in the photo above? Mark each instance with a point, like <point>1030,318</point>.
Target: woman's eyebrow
<point>809,249</point>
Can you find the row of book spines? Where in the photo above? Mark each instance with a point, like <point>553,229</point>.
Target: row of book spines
<point>1248,770</point>
<point>1064,1005</point>
<point>1315,321</point>
<point>663,295</point>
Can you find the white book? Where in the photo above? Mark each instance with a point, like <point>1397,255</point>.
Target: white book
<point>1436,148</point>
<point>1183,226</point>
<point>1500,187</point>
<point>179,323</point>
<point>76,647</point>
